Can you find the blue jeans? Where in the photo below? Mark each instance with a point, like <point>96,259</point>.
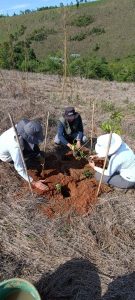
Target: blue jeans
<point>70,138</point>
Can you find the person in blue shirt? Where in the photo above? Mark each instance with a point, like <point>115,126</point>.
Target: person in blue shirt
<point>121,167</point>
<point>70,128</point>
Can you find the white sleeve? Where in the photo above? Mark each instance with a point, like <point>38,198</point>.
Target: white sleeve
<point>113,165</point>
<point>18,163</point>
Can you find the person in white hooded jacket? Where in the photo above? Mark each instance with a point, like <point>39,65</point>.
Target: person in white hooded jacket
<point>30,135</point>
<point>121,167</point>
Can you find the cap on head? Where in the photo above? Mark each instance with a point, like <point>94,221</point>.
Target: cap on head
<point>102,144</point>
<point>70,114</point>
<point>31,131</point>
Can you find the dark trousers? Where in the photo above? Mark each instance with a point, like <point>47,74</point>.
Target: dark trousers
<point>31,153</point>
<point>116,180</point>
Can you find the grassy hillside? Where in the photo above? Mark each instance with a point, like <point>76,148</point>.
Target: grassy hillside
<point>108,33</point>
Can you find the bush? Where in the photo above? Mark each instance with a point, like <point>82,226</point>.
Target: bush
<point>30,66</point>
<point>97,68</point>
<point>41,34</point>
<point>78,37</point>
<point>77,67</point>
<point>82,21</point>
<point>12,54</point>
<point>113,124</point>
<point>124,70</point>
<point>38,35</point>
<point>97,30</point>
<point>90,68</point>
<point>5,58</point>
<point>52,66</point>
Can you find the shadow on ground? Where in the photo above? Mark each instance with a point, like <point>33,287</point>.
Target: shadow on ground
<point>78,279</point>
<point>122,288</point>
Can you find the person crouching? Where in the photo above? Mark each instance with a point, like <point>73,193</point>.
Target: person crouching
<point>30,136</point>
<point>70,129</point>
<point>121,167</point>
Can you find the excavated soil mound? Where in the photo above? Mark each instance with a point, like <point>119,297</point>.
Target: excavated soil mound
<point>72,186</point>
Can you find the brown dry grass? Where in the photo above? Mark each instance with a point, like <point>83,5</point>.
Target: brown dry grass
<point>87,258</point>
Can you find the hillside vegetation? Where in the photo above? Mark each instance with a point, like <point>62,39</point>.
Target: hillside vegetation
<point>100,40</point>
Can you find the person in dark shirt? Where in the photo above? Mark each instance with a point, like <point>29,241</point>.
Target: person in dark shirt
<point>70,129</point>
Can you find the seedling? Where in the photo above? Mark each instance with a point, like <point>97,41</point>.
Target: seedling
<point>58,187</point>
<point>78,153</point>
<point>87,174</point>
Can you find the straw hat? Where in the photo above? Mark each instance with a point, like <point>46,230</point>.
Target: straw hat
<point>102,144</point>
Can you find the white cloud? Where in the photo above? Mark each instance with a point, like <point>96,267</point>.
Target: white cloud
<point>19,6</point>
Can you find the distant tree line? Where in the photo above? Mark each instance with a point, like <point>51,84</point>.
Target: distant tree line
<point>30,11</point>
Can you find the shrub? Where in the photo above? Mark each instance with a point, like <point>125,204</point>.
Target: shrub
<point>97,30</point>
<point>82,21</point>
<point>90,68</point>
<point>38,35</point>
<point>77,67</point>
<point>52,66</point>
<point>124,70</point>
<point>30,66</point>
<point>41,34</point>
<point>12,54</point>
<point>78,37</point>
<point>98,68</point>
<point>5,58</point>
<point>113,124</point>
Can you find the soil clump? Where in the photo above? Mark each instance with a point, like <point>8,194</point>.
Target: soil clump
<point>72,186</point>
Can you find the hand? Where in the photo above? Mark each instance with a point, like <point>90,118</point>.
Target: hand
<point>93,156</point>
<point>92,164</point>
<point>78,144</point>
<point>40,185</point>
<point>72,147</point>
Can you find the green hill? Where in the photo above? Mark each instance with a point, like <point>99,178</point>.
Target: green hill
<point>100,29</point>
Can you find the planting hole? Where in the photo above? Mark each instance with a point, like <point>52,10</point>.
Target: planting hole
<point>65,191</point>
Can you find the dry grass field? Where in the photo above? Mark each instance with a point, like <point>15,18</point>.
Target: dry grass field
<point>90,257</point>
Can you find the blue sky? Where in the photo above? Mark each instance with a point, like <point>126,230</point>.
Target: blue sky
<point>11,6</point>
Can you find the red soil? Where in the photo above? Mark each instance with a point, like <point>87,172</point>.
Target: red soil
<point>78,193</point>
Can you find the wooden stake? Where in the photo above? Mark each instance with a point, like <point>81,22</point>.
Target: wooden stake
<point>92,125</point>
<point>65,57</point>
<point>107,151</point>
<point>19,145</point>
<point>46,131</point>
